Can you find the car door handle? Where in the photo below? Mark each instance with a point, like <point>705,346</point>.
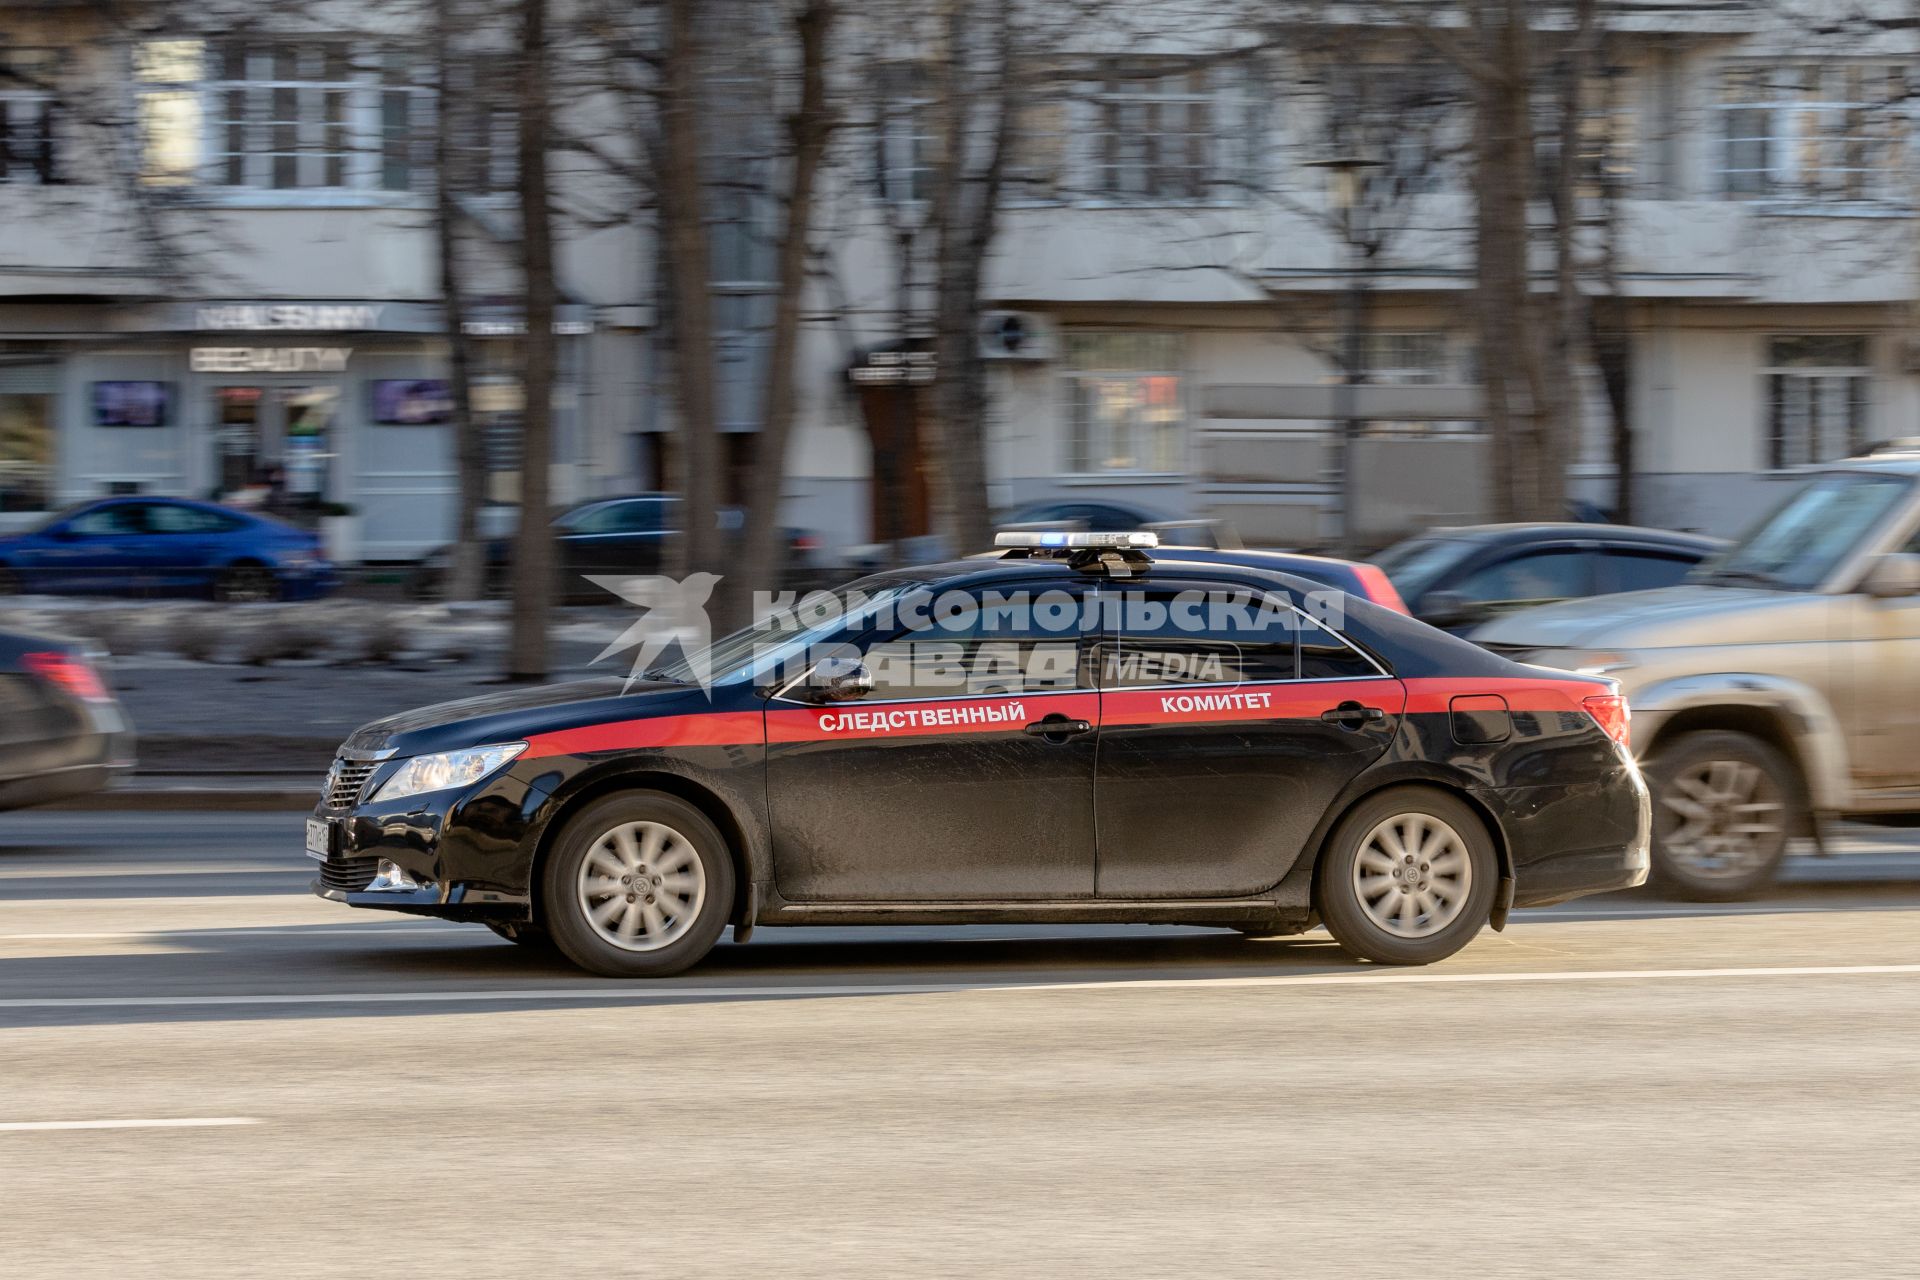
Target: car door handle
<point>1058,728</point>
<point>1352,715</point>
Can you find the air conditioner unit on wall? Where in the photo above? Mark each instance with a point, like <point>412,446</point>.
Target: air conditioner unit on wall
<point>1018,335</point>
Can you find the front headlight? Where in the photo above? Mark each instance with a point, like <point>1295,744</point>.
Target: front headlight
<point>447,769</point>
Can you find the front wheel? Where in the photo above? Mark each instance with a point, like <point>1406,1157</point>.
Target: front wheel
<point>1721,815</point>
<point>1408,877</point>
<point>638,886</point>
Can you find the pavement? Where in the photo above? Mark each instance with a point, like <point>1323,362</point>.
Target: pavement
<point>210,1073</point>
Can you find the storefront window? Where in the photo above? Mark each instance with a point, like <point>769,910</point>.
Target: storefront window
<point>1125,403</point>
<point>26,452</point>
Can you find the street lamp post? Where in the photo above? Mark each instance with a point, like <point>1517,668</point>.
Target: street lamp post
<point>1346,183</point>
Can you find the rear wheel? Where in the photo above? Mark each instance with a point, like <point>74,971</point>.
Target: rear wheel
<point>1722,813</point>
<point>1408,877</point>
<point>638,886</point>
<point>246,584</point>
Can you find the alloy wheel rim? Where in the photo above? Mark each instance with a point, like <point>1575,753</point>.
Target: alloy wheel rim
<point>1413,875</point>
<point>1722,818</point>
<point>641,886</point>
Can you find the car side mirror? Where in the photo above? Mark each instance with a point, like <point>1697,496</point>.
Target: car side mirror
<point>1445,608</point>
<point>1893,577</point>
<point>840,680</point>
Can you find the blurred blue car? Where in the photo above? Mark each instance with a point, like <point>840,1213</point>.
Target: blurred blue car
<point>166,546</point>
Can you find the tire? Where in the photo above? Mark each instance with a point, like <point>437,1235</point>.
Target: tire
<point>246,584</point>
<point>600,919</point>
<point>1724,807</point>
<point>9,582</point>
<point>1408,831</point>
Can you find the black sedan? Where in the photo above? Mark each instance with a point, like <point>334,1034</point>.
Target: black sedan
<point>1083,730</point>
<point>62,733</point>
<point>1460,578</point>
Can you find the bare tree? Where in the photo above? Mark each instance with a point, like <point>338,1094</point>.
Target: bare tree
<point>466,569</point>
<point>534,560</point>
<point>808,127</point>
<point>686,259</point>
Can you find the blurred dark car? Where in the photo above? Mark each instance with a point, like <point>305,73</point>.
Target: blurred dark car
<point>603,537</point>
<point>1457,579</point>
<point>1108,516</point>
<point>61,731</point>
<point>1102,516</point>
<point>166,546</point>
<point>1353,577</point>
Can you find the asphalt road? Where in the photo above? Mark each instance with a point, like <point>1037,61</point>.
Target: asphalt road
<point>205,1072</point>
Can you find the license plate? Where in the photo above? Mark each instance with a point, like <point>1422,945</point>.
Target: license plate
<point>319,839</point>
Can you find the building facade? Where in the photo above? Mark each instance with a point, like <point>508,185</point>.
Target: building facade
<point>254,297</point>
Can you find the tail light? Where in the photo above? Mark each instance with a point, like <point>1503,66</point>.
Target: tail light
<point>68,674</point>
<point>1611,713</point>
<point>1377,587</point>
<point>805,542</point>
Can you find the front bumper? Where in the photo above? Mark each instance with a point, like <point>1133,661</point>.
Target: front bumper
<point>469,853</point>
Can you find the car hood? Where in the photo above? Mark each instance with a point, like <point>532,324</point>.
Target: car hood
<point>513,715</point>
<point>1688,614</point>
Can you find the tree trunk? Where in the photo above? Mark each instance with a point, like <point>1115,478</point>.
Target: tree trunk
<point>967,209</point>
<point>466,566</point>
<point>809,128</point>
<point>533,559</point>
<point>683,227</point>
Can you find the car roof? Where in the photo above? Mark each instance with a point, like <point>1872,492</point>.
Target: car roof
<point>1901,460</point>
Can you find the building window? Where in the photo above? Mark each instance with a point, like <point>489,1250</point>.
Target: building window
<point>28,112</point>
<point>1817,391</point>
<point>282,115</point>
<point>1124,403</point>
<point>1407,117</point>
<point>907,146</point>
<point>26,452</point>
<point>1818,131</point>
<point>1406,359</point>
<point>1157,133</point>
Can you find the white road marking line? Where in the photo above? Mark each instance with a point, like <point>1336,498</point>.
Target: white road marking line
<point>194,1122</point>
<point>641,994</point>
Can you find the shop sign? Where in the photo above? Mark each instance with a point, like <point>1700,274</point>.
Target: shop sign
<point>893,368</point>
<point>270,359</point>
<point>304,317</point>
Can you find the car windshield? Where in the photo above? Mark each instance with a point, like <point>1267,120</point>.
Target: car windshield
<point>770,644</point>
<point>1415,565</point>
<point>1808,535</point>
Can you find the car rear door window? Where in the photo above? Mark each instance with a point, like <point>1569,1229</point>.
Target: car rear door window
<point>1325,656</point>
<point>1197,636</point>
<point>1553,573</point>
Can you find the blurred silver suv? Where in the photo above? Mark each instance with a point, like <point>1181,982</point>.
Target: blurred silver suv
<point>1777,687</point>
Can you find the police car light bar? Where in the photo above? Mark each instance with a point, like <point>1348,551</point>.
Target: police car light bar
<point>1140,540</point>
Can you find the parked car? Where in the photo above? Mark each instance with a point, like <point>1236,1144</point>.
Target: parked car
<point>62,733</point>
<point>1016,753</point>
<point>603,537</point>
<point>1457,579</point>
<point>1779,686</point>
<point>166,546</point>
<point>1356,578</point>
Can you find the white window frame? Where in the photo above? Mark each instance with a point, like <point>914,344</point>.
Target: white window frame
<point>18,99</point>
<point>1796,123</point>
<point>1110,146</point>
<point>905,142</point>
<point>1852,384</point>
<point>363,87</point>
<point>1073,375</point>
